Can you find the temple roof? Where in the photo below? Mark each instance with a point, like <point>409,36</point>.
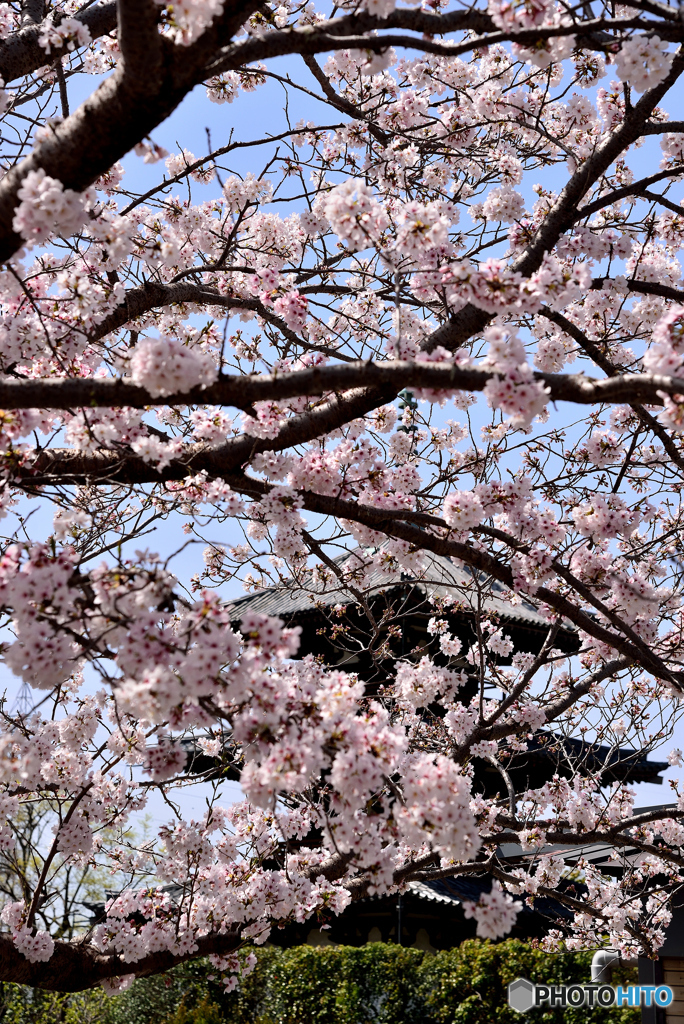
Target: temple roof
<point>309,601</point>
<point>441,578</point>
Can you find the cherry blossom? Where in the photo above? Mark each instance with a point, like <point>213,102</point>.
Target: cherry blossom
<point>495,913</point>
<point>46,208</point>
<point>165,367</point>
<point>341,462</point>
<point>643,62</point>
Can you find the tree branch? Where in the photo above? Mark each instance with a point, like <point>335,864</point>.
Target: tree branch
<point>75,966</point>
<point>242,392</point>
<point>637,189</point>
<point>21,55</point>
<point>565,212</point>
<point>665,291</point>
<point>139,40</point>
<point>124,109</point>
<point>594,353</point>
<point>76,467</point>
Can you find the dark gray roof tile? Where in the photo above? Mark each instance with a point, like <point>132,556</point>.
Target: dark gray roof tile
<point>440,578</point>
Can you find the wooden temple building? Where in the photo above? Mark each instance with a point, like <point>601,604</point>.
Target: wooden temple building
<point>336,628</point>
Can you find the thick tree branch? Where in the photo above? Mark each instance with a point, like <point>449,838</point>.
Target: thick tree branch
<point>344,33</point>
<point>153,295</point>
<point>32,12</point>
<point>21,55</point>
<point>75,966</point>
<point>140,41</point>
<point>243,391</point>
<point>636,189</point>
<point>68,465</point>
<point>664,127</point>
<point>124,109</point>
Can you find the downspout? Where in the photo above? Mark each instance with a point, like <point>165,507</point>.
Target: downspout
<point>602,964</point>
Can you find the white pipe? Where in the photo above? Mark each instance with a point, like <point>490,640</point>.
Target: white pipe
<point>602,965</point>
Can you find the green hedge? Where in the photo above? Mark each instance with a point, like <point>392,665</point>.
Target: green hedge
<point>374,984</point>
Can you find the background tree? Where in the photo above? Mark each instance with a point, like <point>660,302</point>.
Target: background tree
<point>468,216</point>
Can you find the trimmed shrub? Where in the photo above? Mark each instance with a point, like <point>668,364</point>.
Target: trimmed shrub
<point>374,984</point>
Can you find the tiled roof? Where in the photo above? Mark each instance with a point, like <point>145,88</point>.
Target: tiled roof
<point>469,889</point>
<point>440,578</point>
<point>427,892</point>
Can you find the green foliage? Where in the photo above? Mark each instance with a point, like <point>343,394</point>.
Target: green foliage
<point>157,999</point>
<point>388,984</point>
<point>344,985</point>
<point>373,984</point>
<point>20,1004</point>
<point>468,985</point>
<point>205,1012</point>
